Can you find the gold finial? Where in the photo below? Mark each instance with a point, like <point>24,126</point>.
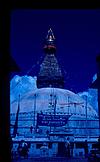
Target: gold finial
<point>50,35</point>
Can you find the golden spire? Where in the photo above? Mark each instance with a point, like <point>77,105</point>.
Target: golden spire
<point>50,36</point>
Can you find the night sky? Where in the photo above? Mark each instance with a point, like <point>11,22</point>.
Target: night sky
<point>77,35</point>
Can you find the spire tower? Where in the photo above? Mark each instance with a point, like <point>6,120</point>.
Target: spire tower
<point>50,74</point>
<point>49,46</point>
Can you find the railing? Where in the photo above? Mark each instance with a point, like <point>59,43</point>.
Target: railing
<point>76,126</point>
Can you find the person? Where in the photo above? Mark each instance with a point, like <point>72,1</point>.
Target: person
<point>19,148</point>
<point>47,132</point>
<point>31,129</point>
<point>11,147</point>
<point>44,149</point>
<point>41,112</point>
<point>23,149</point>
<point>86,148</point>
<point>11,143</point>
<point>68,148</point>
<point>99,143</point>
<point>67,145</point>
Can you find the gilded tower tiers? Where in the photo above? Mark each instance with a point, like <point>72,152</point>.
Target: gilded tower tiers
<point>50,74</point>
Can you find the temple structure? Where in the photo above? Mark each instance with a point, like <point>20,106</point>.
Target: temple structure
<point>53,117</point>
<point>50,74</point>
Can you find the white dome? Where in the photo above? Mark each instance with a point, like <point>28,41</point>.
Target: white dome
<point>67,102</point>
